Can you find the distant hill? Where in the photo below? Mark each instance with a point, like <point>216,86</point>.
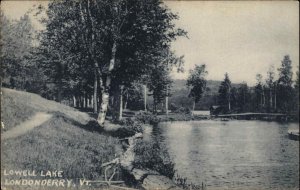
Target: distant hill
<point>213,85</point>
<point>180,94</point>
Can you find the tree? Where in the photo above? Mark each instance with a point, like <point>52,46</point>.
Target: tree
<point>119,36</point>
<point>159,85</point>
<point>16,48</point>
<point>243,97</point>
<point>285,90</point>
<point>259,92</point>
<point>270,84</point>
<point>296,99</point>
<point>224,96</point>
<point>197,82</point>
<point>158,79</point>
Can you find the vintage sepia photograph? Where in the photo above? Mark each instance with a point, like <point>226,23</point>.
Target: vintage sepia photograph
<point>149,94</point>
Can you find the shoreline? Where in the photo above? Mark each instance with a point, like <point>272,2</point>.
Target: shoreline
<point>188,117</point>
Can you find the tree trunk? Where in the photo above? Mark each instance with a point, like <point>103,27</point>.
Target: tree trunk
<point>95,93</point>
<point>194,104</point>
<point>84,100</point>
<point>229,99</point>
<point>105,91</point>
<point>145,97</point>
<point>74,101</point>
<point>167,106</point>
<point>121,102</point>
<point>125,104</point>
<point>88,102</point>
<point>103,108</point>
<point>275,99</point>
<point>271,99</point>
<point>264,99</point>
<point>59,96</point>
<point>81,101</point>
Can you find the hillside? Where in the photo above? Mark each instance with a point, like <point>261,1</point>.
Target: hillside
<point>18,106</point>
<point>180,94</point>
<point>69,141</point>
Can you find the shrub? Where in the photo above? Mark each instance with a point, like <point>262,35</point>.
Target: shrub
<point>131,125</point>
<point>173,107</point>
<point>147,118</point>
<point>183,110</point>
<point>150,155</point>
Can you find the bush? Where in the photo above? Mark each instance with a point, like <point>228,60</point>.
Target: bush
<point>173,107</point>
<point>147,118</point>
<point>132,125</point>
<point>149,155</point>
<point>183,110</point>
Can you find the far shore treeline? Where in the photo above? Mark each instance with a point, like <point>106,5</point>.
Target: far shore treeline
<point>112,55</point>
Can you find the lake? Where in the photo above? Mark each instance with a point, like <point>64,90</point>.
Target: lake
<point>232,154</point>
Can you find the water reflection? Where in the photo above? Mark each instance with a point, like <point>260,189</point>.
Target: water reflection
<point>235,154</point>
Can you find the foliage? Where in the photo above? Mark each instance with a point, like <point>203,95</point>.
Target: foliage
<point>243,98</point>
<point>285,89</point>
<point>16,48</point>
<point>159,81</point>
<point>150,155</point>
<point>197,82</point>
<point>134,96</point>
<point>224,97</point>
<point>133,126</point>
<point>173,107</point>
<point>147,118</point>
<point>183,110</point>
<point>105,41</point>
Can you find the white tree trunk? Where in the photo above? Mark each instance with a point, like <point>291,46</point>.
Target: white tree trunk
<point>145,97</point>
<point>103,108</point>
<point>167,106</point>
<point>84,100</point>
<point>95,93</point>
<point>194,104</point>
<point>121,102</point>
<point>125,104</point>
<point>74,101</point>
<point>105,92</point>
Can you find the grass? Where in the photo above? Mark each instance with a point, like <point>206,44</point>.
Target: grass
<point>18,106</point>
<point>70,141</point>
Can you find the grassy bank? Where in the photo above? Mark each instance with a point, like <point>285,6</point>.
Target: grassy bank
<point>70,141</point>
<point>19,106</point>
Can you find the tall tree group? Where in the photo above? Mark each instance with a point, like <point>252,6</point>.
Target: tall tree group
<point>97,49</point>
<point>273,95</point>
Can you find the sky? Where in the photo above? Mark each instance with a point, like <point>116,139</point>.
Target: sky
<point>240,38</point>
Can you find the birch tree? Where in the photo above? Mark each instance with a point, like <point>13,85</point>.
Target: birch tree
<point>116,38</point>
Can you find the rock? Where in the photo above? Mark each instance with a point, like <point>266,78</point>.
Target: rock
<point>139,174</point>
<point>158,182</point>
<point>138,135</point>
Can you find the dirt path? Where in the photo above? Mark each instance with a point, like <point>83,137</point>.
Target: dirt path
<point>38,119</point>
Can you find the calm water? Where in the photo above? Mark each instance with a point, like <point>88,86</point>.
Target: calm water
<point>234,154</point>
